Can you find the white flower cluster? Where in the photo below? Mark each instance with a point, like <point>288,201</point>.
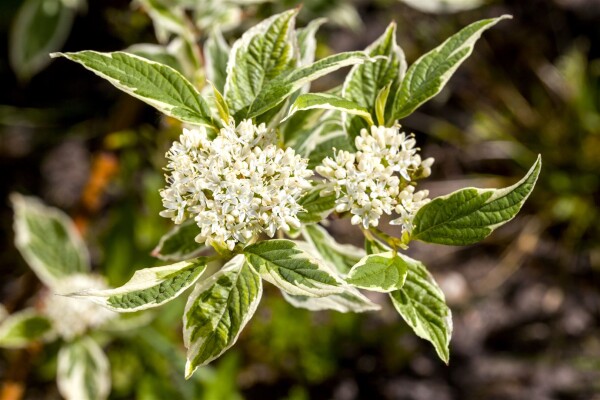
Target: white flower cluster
<point>379,178</point>
<point>234,186</point>
<point>72,317</point>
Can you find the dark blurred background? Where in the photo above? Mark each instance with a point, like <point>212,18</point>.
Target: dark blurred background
<point>526,301</point>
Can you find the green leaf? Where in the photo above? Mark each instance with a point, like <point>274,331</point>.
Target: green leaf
<point>383,272</point>
<point>374,247</point>
<point>278,89</point>
<point>216,54</point>
<point>350,300</point>
<point>307,46</point>
<point>325,101</point>
<point>40,27</point>
<point>365,81</point>
<point>422,305</point>
<point>380,104</point>
<point>315,130</point>
<point>156,84</point>
<point>430,73</point>
<point>24,327</point>
<point>167,18</point>
<point>307,43</point>
<point>217,311</point>
<point>221,105</point>
<point>261,54</point>
<point>179,243</point>
<point>83,371</point>
<point>316,207</point>
<point>328,146</point>
<point>291,269</point>
<point>48,240</point>
<point>149,287</point>
<point>341,256</point>
<point>469,215</point>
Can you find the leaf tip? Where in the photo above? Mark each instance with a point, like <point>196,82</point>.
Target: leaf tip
<point>189,369</point>
<point>57,55</point>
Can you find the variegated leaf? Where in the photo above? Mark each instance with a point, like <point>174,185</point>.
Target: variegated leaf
<point>341,256</point>
<point>156,84</point>
<point>24,327</point>
<point>218,310</point>
<point>178,244</point>
<point>430,73</point>
<point>83,371</point>
<point>149,287</point>
<point>383,272</point>
<point>469,215</point>
<point>48,240</point>
<point>288,267</point>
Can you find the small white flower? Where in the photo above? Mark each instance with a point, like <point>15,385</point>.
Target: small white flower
<point>379,178</point>
<point>73,317</point>
<point>409,204</point>
<point>235,186</point>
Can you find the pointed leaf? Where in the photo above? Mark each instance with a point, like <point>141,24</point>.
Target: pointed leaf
<point>149,287</point>
<point>24,327</point>
<point>278,89</point>
<point>156,84</point>
<point>307,46</point>
<point>341,256</point>
<point>422,305</point>
<point>364,82</point>
<point>380,104</point>
<point>307,43</point>
<point>40,27</point>
<point>221,104</point>
<point>325,101</point>
<point>218,310</point>
<point>383,272</point>
<point>469,215</point>
<point>83,371</point>
<point>430,73</point>
<point>350,300</point>
<point>48,240</point>
<point>288,267</point>
<point>179,243</point>
<point>216,54</point>
<point>261,54</point>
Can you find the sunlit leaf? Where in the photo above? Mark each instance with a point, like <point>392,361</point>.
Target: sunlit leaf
<point>218,310</point>
<point>156,84</point>
<point>288,267</point>
<point>149,287</point>
<point>430,73</point>
<point>469,215</point>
